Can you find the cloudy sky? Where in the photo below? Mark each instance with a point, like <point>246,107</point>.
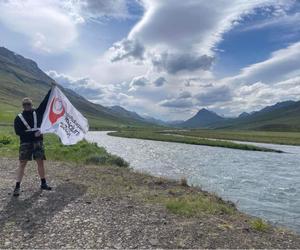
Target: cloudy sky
<point>163,58</point>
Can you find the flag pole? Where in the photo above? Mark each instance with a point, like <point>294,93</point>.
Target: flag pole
<point>53,84</point>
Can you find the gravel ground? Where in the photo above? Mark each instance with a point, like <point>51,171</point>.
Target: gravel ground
<point>84,211</point>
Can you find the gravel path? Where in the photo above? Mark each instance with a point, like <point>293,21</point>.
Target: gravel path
<point>83,211</point>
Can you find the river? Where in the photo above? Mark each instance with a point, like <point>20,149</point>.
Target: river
<point>260,183</point>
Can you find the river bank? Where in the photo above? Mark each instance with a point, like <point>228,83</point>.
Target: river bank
<point>105,206</point>
<point>263,184</point>
<point>187,139</point>
<point>283,138</point>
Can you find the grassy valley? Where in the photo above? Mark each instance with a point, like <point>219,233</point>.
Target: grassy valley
<point>21,77</point>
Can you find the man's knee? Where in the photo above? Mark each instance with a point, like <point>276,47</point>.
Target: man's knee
<point>40,162</point>
<point>23,163</point>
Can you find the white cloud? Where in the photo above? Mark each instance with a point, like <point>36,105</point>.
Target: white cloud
<point>52,25</point>
<point>177,103</point>
<point>84,86</point>
<point>103,8</point>
<point>48,28</point>
<point>108,72</point>
<point>175,41</point>
<point>265,83</point>
<point>182,35</point>
<point>160,81</point>
<point>282,64</point>
<point>287,21</point>
<point>258,95</point>
<point>139,81</point>
<point>179,41</point>
<point>164,63</point>
<point>127,49</point>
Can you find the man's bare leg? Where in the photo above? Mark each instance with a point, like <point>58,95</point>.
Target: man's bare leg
<point>41,168</point>
<point>20,174</point>
<point>21,170</point>
<point>41,171</point>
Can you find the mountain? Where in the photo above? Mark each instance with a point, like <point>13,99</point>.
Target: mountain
<point>155,121</point>
<point>21,77</point>
<point>282,116</point>
<point>204,119</point>
<point>244,114</point>
<point>14,62</point>
<point>120,111</point>
<point>276,106</point>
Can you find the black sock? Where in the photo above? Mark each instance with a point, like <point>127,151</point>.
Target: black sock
<point>43,181</point>
<point>18,184</point>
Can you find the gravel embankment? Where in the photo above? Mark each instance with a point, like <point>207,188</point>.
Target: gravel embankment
<point>84,211</point>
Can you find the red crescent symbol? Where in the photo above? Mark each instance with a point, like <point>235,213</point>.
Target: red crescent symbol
<point>53,114</point>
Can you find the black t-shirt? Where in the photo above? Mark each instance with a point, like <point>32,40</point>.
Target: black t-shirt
<point>20,128</point>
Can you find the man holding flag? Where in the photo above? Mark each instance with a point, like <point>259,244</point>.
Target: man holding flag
<point>54,115</point>
<point>26,126</point>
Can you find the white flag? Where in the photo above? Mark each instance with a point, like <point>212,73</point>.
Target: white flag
<point>63,119</point>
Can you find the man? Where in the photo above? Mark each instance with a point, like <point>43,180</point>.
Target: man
<point>26,126</point>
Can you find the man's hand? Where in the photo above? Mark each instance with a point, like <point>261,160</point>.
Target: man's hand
<point>37,133</point>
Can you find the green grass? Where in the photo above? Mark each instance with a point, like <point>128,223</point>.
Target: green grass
<point>80,153</point>
<point>175,197</point>
<point>155,135</point>
<point>288,138</point>
<point>196,205</point>
<point>259,225</point>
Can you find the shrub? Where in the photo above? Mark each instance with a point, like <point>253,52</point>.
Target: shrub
<point>107,160</point>
<point>97,159</point>
<point>5,140</point>
<point>184,182</point>
<point>118,161</point>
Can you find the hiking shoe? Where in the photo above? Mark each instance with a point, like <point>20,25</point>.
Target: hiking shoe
<point>46,187</point>
<point>16,192</point>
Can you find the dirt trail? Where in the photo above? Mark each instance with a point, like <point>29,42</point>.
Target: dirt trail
<point>87,210</point>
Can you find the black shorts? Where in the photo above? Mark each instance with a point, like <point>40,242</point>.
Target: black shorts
<point>28,150</point>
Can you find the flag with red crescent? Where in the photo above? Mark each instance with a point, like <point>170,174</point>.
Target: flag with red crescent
<point>57,110</point>
<point>63,119</point>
